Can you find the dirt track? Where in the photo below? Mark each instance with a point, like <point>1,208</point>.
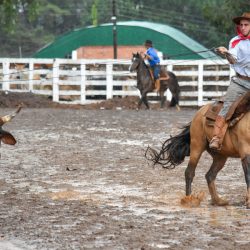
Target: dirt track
<point>78,179</point>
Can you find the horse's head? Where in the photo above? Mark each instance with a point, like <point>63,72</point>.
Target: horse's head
<point>136,59</point>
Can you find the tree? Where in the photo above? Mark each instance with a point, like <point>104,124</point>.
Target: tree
<point>31,24</point>
<point>222,19</point>
<point>94,13</point>
<point>31,32</point>
<point>186,16</point>
<point>10,10</point>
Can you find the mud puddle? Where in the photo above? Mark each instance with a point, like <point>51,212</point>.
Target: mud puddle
<point>78,179</point>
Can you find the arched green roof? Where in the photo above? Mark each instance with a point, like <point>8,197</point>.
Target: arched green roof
<point>166,39</point>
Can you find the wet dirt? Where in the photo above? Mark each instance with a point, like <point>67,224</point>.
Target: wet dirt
<point>30,100</point>
<point>78,179</point>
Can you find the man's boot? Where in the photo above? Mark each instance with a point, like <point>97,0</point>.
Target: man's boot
<point>218,133</point>
<point>157,85</point>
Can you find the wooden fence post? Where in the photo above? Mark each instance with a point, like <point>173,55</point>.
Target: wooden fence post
<point>170,67</point>
<point>6,75</point>
<point>200,84</point>
<point>55,81</point>
<point>83,82</point>
<point>109,79</point>
<point>31,75</point>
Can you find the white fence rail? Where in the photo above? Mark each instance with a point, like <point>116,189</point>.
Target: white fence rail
<point>86,81</point>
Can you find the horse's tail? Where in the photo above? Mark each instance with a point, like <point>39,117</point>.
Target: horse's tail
<point>174,87</point>
<point>173,150</point>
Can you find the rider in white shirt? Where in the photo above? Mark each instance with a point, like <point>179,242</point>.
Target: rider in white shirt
<point>241,53</point>
<point>238,56</point>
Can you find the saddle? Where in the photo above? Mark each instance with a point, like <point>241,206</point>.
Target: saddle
<point>237,110</point>
<point>163,76</point>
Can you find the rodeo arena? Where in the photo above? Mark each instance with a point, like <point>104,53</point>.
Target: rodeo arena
<point>85,164</point>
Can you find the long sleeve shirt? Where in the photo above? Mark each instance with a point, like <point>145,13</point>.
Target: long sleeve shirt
<point>154,57</point>
<point>241,52</point>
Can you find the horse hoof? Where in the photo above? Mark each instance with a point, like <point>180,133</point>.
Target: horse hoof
<point>220,202</point>
<point>248,203</point>
<point>191,200</point>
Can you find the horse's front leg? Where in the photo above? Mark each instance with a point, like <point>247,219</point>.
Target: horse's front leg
<point>163,98</point>
<point>144,100</point>
<point>218,163</point>
<point>246,168</point>
<point>139,103</point>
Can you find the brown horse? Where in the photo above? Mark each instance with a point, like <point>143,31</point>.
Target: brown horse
<point>145,82</point>
<point>194,139</point>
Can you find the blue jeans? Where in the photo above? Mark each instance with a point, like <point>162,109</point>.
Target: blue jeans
<point>156,70</point>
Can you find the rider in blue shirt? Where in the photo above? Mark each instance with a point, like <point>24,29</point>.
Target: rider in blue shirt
<point>154,62</point>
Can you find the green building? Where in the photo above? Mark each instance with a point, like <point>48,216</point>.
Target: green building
<point>170,41</point>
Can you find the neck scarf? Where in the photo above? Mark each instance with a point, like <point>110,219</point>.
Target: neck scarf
<point>241,37</point>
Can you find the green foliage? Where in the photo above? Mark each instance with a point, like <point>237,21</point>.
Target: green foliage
<point>31,24</point>
<point>10,11</point>
<point>228,8</point>
<point>94,13</point>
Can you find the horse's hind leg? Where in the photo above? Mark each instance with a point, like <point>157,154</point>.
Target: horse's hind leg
<point>175,99</point>
<point>174,102</point>
<point>190,170</point>
<point>218,163</point>
<point>246,168</point>
<point>197,147</point>
<point>190,200</point>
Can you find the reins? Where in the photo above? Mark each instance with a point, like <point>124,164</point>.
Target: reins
<point>191,53</point>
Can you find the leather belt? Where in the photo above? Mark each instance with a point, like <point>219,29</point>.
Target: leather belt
<point>247,78</point>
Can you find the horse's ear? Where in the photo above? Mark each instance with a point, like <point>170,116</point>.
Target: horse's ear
<point>138,55</point>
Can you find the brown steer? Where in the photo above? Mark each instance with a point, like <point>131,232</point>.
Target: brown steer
<point>5,136</point>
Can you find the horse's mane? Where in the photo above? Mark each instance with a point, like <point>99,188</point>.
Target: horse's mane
<point>141,59</point>
<point>143,63</point>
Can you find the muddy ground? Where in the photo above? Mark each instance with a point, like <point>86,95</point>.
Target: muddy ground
<point>78,179</point>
